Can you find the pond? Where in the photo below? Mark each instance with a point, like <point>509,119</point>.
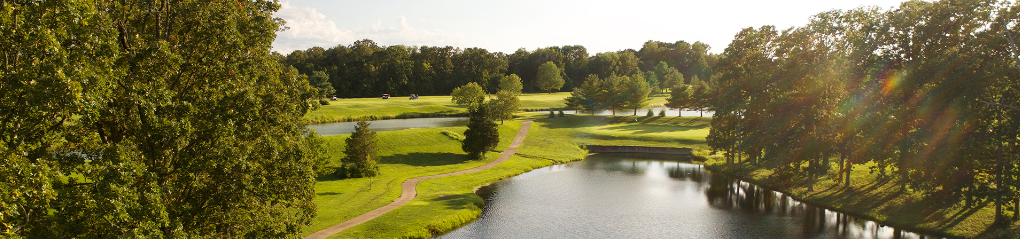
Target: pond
<point>386,125</point>
<point>612,196</point>
<point>642,112</point>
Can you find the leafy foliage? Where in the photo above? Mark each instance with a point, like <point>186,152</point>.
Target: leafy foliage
<point>549,78</point>
<point>482,134</point>
<point>360,154</point>
<point>471,93</point>
<point>167,119</point>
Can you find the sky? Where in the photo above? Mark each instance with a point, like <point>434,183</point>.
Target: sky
<point>505,26</point>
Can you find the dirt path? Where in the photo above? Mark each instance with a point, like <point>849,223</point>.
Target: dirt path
<point>408,192</point>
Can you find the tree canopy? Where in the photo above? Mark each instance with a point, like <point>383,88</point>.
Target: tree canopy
<point>158,120</point>
<point>468,94</point>
<point>549,78</point>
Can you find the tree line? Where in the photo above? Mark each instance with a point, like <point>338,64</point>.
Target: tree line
<point>924,93</point>
<point>366,69</point>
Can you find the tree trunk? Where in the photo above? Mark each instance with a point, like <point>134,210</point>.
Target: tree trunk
<point>635,111</point>
<point>998,177</point>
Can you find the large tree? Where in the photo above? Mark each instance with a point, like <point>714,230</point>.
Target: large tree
<point>470,93</point>
<point>183,123</point>
<point>506,102</point>
<point>637,92</point>
<point>587,96</point>
<point>482,134</point>
<point>680,97</point>
<point>320,80</point>
<point>360,153</point>
<point>549,77</point>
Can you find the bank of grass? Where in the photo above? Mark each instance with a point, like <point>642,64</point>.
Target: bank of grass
<point>403,154</point>
<point>399,107</point>
<point>874,197</point>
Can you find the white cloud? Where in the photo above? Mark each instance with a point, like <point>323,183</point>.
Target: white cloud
<point>308,28</point>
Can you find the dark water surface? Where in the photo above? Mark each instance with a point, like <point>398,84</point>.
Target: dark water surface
<point>613,196</point>
<point>386,125</point>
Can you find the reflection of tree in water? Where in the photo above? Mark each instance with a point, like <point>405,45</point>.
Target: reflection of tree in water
<point>695,174</point>
<point>615,163</point>
<point>727,193</point>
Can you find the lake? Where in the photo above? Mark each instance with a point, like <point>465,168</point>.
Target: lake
<point>617,196</point>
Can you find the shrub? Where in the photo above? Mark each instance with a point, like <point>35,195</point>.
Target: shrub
<point>323,102</point>
<point>552,114</point>
<point>662,113</point>
<point>561,113</point>
<point>650,114</point>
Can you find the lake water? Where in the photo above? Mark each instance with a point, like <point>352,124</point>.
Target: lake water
<point>386,125</point>
<point>642,112</point>
<point>613,196</point>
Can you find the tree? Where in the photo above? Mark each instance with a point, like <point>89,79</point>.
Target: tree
<point>614,94</point>
<point>481,135</point>
<point>511,83</point>
<point>549,78</point>
<point>587,96</point>
<point>653,81</point>
<point>470,93</point>
<point>360,154</point>
<point>680,98</point>
<point>637,92</point>
<point>184,125</point>
<point>702,96</point>
<point>504,105</point>
<point>320,80</point>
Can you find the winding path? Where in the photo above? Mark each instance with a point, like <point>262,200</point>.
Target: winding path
<point>408,192</point>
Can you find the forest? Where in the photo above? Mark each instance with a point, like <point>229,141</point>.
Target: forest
<point>366,69</point>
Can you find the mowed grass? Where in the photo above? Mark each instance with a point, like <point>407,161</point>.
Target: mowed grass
<point>400,107</point>
<point>444,204</point>
<point>403,154</point>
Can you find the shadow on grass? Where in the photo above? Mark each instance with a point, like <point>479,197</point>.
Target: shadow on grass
<point>652,129</point>
<point>425,159</point>
<point>459,201</point>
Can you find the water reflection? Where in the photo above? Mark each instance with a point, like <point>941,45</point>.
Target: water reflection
<point>613,196</point>
<point>387,125</point>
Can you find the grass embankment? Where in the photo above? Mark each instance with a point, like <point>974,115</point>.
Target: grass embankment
<point>874,197</point>
<point>347,110</point>
<point>444,204</point>
<point>403,154</point>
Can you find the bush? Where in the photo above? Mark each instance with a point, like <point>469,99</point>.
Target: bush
<point>323,102</point>
<point>662,113</point>
<point>552,114</point>
<point>561,113</point>
<point>650,114</point>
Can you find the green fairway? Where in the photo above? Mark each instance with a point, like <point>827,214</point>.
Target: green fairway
<point>404,154</point>
<point>446,203</point>
<point>344,110</point>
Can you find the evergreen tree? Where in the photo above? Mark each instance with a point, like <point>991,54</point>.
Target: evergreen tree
<point>320,80</point>
<point>360,154</point>
<point>481,135</point>
<point>587,96</point>
<point>680,98</point>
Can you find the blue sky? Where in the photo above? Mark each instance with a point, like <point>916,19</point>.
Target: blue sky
<point>505,26</point>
